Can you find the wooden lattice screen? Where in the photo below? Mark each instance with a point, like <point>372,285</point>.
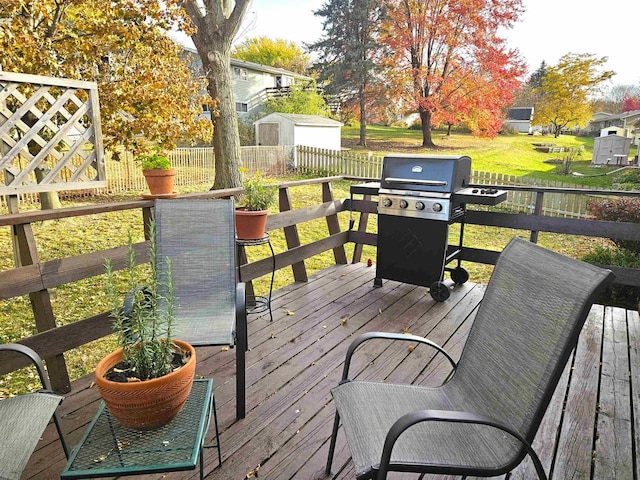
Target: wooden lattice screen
<point>50,136</point>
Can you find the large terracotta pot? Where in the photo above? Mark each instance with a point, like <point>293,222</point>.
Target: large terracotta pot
<point>250,225</point>
<point>151,403</point>
<point>160,181</point>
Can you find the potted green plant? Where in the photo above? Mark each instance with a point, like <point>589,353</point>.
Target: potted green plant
<point>146,382</point>
<point>257,197</point>
<point>158,172</point>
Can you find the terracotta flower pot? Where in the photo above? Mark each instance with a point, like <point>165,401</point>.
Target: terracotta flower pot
<point>160,181</point>
<point>250,225</point>
<point>151,403</point>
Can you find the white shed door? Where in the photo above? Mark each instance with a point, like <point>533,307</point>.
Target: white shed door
<point>269,134</point>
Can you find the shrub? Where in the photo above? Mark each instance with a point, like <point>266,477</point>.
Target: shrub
<point>622,209</point>
<point>618,295</point>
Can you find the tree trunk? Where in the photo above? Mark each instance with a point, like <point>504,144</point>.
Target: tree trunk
<point>226,141</point>
<point>425,116</point>
<point>363,117</point>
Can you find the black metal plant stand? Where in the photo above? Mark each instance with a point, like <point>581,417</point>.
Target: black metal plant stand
<point>258,303</point>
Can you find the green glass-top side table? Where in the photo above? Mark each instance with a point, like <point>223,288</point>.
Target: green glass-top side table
<point>108,449</point>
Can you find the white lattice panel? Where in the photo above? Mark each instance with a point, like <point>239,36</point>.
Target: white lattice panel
<point>50,135</point>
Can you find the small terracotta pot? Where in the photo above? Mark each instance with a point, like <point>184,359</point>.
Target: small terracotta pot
<point>151,403</point>
<point>160,181</point>
<point>250,225</point>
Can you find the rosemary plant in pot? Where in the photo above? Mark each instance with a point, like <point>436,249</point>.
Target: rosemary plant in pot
<point>251,218</point>
<point>146,382</point>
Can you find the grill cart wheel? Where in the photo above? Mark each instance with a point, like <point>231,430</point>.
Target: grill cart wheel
<point>439,291</point>
<point>459,275</point>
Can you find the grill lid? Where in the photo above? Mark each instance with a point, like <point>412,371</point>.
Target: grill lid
<point>425,173</point>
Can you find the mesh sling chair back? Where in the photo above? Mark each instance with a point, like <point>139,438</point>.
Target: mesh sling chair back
<point>23,419</point>
<point>199,238</point>
<point>483,419</point>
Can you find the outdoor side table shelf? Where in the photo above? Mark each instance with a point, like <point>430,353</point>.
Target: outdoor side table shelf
<point>257,303</point>
<point>108,449</point>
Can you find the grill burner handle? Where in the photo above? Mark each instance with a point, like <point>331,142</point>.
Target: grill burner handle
<point>415,181</point>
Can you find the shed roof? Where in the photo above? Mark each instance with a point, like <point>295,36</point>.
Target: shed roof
<point>306,120</point>
<point>520,113</point>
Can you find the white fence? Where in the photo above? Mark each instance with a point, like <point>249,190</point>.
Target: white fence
<point>358,164</point>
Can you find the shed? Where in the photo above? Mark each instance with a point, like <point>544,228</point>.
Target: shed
<point>295,129</point>
<point>612,131</point>
<point>519,119</point>
<point>611,150</point>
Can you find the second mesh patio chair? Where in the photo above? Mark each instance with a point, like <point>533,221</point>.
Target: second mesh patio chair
<point>199,238</point>
<point>483,419</point>
<point>23,419</point>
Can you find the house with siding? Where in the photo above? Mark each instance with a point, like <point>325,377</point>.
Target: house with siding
<point>253,83</point>
<point>625,124</point>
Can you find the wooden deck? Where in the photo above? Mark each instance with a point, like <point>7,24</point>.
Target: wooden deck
<point>592,429</point>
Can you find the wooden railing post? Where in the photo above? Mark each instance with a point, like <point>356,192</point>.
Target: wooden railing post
<point>362,227</point>
<point>292,237</point>
<point>339,253</point>
<point>41,307</point>
<point>537,211</point>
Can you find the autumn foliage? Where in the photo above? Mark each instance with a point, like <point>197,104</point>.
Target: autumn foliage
<point>449,62</point>
<point>147,93</point>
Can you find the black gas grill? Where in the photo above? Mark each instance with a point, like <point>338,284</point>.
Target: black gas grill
<point>418,198</point>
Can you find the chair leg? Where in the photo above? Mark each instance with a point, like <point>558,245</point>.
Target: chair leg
<point>56,421</point>
<point>332,443</point>
<point>241,350</point>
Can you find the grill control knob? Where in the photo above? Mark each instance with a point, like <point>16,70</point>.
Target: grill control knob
<point>404,204</point>
<point>437,207</point>
<point>419,206</point>
<point>387,202</point>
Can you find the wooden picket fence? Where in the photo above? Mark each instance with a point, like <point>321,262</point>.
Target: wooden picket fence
<point>369,165</point>
<point>194,166</point>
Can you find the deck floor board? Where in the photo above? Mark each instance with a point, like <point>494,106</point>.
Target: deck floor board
<point>294,361</point>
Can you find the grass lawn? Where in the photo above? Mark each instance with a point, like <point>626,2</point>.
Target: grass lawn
<point>512,154</point>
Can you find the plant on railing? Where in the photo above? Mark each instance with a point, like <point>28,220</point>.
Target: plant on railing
<point>259,194</point>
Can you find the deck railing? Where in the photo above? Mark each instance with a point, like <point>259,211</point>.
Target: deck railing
<point>35,277</point>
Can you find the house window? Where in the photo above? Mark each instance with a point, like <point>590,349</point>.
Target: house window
<point>241,107</point>
<point>239,73</point>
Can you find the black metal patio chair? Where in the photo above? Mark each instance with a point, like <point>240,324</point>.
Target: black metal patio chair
<point>482,420</point>
<point>23,419</point>
<point>199,238</point>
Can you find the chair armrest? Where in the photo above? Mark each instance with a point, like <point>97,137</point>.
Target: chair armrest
<point>35,359</point>
<point>390,336</point>
<point>413,418</point>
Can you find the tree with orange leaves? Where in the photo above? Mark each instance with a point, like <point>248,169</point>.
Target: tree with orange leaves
<point>450,64</point>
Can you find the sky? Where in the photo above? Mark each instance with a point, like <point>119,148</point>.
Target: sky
<point>548,30</point>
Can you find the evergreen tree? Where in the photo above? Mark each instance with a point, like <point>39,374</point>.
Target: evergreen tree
<point>348,50</point>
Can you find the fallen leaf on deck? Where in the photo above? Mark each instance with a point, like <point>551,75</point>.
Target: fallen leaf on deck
<point>291,340</point>
<point>344,320</point>
<point>290,312</point>
<point>225,348</point>
<point>411,348</point>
